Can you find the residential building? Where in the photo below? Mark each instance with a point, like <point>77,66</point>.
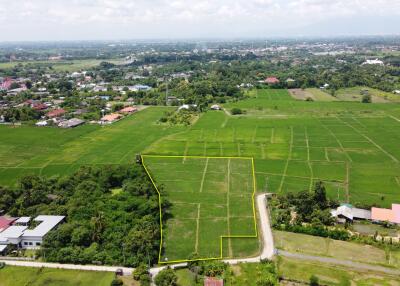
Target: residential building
<point>20,235</point>
<point>5,222</point>
<point>272,80</point>
<point>110,118</point>
<point>56,113</point>
<point>386,215</point>
<point>41,123</point>
<point>215,107</point>
<point>347,212</point>
<point>373,62</point>
<point>325,86</point>
<point>6,84</point>
<point>73,122</point>
<point>187,106</point>
<point>128,110</point>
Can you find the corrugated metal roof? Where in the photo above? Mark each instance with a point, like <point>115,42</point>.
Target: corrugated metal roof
<point>379,214</point>
<point>24,219</point>
<point>13,231</point>
<point>396,211</point>
<point>47,224</point>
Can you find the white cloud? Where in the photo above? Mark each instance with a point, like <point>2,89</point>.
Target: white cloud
<point>88,19</point>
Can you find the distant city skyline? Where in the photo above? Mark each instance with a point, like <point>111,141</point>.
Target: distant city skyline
<point>55,20</point>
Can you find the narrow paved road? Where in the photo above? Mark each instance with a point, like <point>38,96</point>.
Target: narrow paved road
<point>348,263</point>
<point>268,249</point>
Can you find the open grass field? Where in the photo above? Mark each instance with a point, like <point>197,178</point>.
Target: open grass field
<point>313,93</point>
<point>299,270</point>
<point>212,211</point>
<point>62,65</point>
<point>352,147</point>
<point>348,94</point>
<point>53,151</point>
<point>354,94</point>
<point>23,276</point>
<point>313,245</point>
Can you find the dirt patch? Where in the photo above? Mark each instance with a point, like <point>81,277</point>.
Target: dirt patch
<point>301,94</point>
<point>237,271</point>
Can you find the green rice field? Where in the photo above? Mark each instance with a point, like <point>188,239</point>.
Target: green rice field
<point>352,147</point>
<point>212,212</point>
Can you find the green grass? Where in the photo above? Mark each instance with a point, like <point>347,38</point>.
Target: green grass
<point>350,146</point>
<point>211,198</point>
<point>296,270</point>
<point>354,94</point>
<point>22,276</point>
<point>307,244</point>
<point>340,143</point>
<point>299,270</point>
<point>340,147</point>
<point>52,151</point>
<point>63,65</point>
<point>319,95</point>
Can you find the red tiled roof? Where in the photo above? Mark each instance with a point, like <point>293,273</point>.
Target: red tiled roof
<point>129,109</point>
<point>5,222</point>
<point>211,281</point>
<point>6,83</point>
<point>39,106</point>
<point>271,79</point>
<point>111,117</point>
<point>56,113</point>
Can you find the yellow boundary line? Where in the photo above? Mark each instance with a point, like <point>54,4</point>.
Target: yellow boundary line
<point>222,237</point>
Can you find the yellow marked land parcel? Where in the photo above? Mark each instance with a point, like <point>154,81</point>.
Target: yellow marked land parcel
<point>212,213</point>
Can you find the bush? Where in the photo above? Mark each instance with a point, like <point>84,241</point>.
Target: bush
<point>117,282</point>
<point>236,111</point>
<point>139,271</point>
<point>314,281</point>
<point>142,274</point>
<point>166,277</point>
<point>213,268</point>
<point>366,99</point>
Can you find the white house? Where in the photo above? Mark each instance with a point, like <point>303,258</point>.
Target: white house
<point>216,107</point>
<point>325,86</point>
<point>373,62</point>
<point>347,212</point>
<point>19,233</point>
<point>187,106</point>
<point>41,123</point>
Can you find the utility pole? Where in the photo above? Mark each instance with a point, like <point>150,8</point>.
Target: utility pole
<point>166,92</point>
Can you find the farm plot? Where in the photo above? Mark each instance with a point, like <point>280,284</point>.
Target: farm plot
<point>350,147</point>
<point>212,213</point>
<point>50,151</point>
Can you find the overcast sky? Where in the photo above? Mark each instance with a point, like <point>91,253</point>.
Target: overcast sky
<point>29,20</point>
